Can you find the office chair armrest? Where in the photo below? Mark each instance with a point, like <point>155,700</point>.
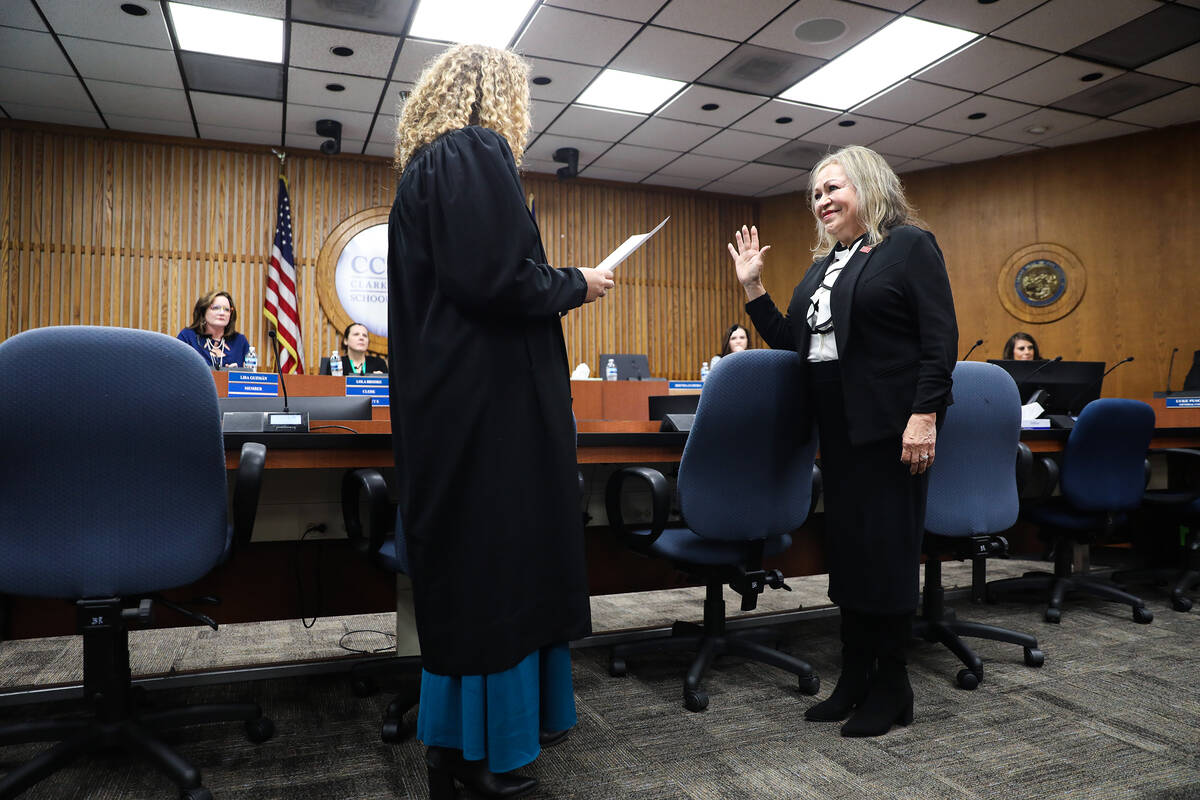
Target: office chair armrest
<point>381,513</point>
<point>660,497</point>
<point>818,486</point>
<point>1024,466</point>
<point>246,488</point>
<point>1043,478</point>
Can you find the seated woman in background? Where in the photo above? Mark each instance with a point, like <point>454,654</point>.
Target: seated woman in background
<point>355,359</point>
<point>1021,347</point>
<point>736,340</point>
<point>212,333</point>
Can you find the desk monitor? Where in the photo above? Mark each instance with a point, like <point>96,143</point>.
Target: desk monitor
<point>663,404</point>
<point>317,407</point>
<point>1069,385</point>
<point>630,366</point>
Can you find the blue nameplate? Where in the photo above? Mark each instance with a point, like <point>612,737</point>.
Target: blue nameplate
<point>253,384</point>
<point>373,386</point>
<point>685,384</point>
<point>1183,402</point>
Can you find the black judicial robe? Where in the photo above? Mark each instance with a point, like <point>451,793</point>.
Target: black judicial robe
<point>481,411</point>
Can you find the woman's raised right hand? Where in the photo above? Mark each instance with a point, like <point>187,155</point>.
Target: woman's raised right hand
<point>748,260</point>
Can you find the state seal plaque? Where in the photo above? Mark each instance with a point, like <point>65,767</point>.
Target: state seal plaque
<point>1041,283</point>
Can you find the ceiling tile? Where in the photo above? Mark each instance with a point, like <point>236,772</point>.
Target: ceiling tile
<point>26,49</point>
<point>224,133</point>
<point>860,21</point>
<point>984,64</point>
<point>766,175</point>
<point>391,101</point>
<point>86,117</point>
<point>658,179</point>
<point>671,54</point>
<point>691,165</point>
<point>376,17</point>
<point>735,186</point>
<point>548,168</point>
<point>1174,109</point>
<point>224,111</point>
<point>797,154</point>
<point>311,46</point>
<point>110,24</point>
<point>1060,25</point>
<point>1147,38</point>
<point>414,55</point>
<point>1058,78</point>
<point>1100,129</point>
<point>669,134</point>
<point>915,141</point>
<point>162,127</point>
<point>687,106</point>
<point>310,141</point>
<point>42,89</point>
<point>798,184</point>
<point>911,101</point>
<point>1121,93</point>
<point>918,164</point>
<point>764,119</point>
<point>595,123</point>
<point>221,75</point>
<point>572,36</point>
<point>629,157</point>
<point>383,132</point>
<point>124,63</point>
<point>21,15</point>
<point>638,10</point>
<point>864,130</point>
<point>610,174</point>
<point>276,9</point>
<point>543,148</point>
<point>741,145</point>
<point>140,101</point>
<point>1055,122</point>
<point>732,19</point>
<point>307,87</point>
<point>1182,65</point>
<point>543,112</point>
<point>996,111</point>
<point>566,80</point>
<point>303,120</point>
<point>382,149</point>
<point>978,17</point>
<point>760,70</point>
<point>974,148</point>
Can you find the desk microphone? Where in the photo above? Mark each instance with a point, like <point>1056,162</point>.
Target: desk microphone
<point>1171,366</point>
<point>972,350</point>
<point>1038,369</point>
<point>279,366</point>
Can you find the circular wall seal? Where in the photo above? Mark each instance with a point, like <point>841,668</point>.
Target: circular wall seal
<point>352,280</point>
<point>1041,283</point>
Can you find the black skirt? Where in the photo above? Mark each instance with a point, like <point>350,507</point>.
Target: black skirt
<point>874,509</point>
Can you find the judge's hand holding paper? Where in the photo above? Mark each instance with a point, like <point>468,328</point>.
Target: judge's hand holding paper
<point>599,281</point>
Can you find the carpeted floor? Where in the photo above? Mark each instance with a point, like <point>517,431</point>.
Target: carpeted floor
<point>1114,713</point>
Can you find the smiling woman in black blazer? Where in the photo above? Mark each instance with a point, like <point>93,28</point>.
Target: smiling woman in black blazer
<point>874,319</point>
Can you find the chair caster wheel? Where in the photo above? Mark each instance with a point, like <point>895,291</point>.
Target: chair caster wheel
<point>809,684</point>
<point>1180,603</point>
<point>1034,657</point>
<point>392,730</point>
<point>1142,615</point>
<point>695,699</point>
<point>1054,615</point>
<point>199,793</point>
<point>364,687</point>
<point>260,729</point>
<point>968,679</point>
<point>617,668</point>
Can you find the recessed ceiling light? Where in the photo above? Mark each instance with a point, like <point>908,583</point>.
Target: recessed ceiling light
<point>227,33</point>
<point>1037,130</point>
<point>134,10</point>
<point>342,50</point>
<point>710,106</point>
<point>628,91</point>
<point>335,87</point>
<point>847,123</point>
<point>783,120</point>
<point>541,80</point>
<point>976,115</point>
<point>491,22</point>
<point>822,30</point>
<point>877,62</point>
<point>1092,76</point>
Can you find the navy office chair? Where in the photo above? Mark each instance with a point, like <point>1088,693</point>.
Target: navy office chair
<point>972,500</point>
<point>746,482</point>
<point>114,488</point>
<point>1102,477</point>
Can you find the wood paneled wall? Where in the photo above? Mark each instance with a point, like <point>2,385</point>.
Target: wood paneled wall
<point>112,229</point>
<point>1127,207</point>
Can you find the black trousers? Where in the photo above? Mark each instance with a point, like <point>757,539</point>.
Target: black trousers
<point>874,509</point>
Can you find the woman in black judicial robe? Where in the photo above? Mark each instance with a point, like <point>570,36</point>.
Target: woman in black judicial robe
<point>483,429</point>
<point>874,321</point>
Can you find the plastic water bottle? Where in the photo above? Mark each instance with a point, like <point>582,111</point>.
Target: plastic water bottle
<point>251,364</point>
<point>610,370</point>
<point>703,371</point>
<point>335,364</point>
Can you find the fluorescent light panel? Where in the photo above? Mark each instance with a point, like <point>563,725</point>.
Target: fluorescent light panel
<point>628,91</point>
<point>490,22</point>
<point>228,33</point>
<point>877,62</point>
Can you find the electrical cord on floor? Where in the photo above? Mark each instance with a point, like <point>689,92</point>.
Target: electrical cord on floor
<point>368,651</point>
<point>318,528</point>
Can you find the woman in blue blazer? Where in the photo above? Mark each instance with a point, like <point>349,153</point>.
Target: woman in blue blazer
<point>212,333</point>
<point>874,321</point>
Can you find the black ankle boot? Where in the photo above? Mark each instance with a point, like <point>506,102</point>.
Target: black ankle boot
<point>855,679</point>
<point>479,779</point>
<point>890,697</point>
<point>440,764</point>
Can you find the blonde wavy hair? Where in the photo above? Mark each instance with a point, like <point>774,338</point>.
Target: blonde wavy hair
<point>468,84</point>
<point>882,205</point>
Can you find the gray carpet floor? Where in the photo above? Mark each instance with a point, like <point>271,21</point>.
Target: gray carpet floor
<point>1114,713</point>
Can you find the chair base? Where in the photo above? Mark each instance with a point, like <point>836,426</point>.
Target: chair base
<point>1178,581</point>
<point>1060,585</point>
<point>711,640</point>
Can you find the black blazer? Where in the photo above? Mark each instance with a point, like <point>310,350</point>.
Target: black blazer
<point>372,363</point>
<point>897,337</point>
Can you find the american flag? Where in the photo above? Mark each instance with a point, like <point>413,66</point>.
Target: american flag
<point>279,304</point>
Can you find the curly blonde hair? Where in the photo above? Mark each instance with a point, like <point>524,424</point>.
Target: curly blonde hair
<point>882,205</point>
<point>468,84</point>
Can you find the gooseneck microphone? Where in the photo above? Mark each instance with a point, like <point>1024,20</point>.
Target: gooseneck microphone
<point>1038,369</point>
<point>279,367</point>
<point>972,350</point>
<point>1171,366</point>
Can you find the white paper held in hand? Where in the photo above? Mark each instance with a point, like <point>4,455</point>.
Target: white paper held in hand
<point>625,250</point>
